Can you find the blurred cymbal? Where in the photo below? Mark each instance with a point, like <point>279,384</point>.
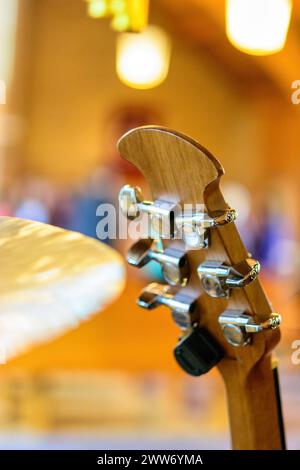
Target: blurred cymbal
<point>50,280</point>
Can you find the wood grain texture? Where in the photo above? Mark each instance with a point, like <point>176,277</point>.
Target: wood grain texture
<point>180,170</point>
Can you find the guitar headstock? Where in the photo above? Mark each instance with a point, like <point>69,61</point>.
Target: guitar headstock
<point>212,285</point>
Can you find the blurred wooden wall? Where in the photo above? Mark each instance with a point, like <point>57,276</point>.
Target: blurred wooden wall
<point>74,88</point>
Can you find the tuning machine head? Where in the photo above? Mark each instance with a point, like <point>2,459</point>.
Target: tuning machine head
<point>218,278</point>
<point>194,226</point>
<point>169,220</point>
<point>197,351</point>
<point>173,260</point>
<point>183,305</point>
<point>161,213</point>
<point>238,326</point>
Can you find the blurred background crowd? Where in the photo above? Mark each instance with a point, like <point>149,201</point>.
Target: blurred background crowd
<point>69,98</point>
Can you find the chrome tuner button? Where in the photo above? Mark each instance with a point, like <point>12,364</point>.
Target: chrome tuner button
<point>213,286</point>
<point>194,237</point>
<point>161,213</point>
<point>172,274</point>
<point>182,305</point>
<point>217,278</point>
<point>129,199</point>
<point>235,335</point>
<point>173,260</point>
<point>238,326</point>
<point>175,271</point>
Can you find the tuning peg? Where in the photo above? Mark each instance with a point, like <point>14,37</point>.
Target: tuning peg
<point>173,260</point>
<point>129,200</point>
<point>197,351</point>
<point>162,213</point>
<point>238,327</point>
<point>217,278</point>
<point>169,220</point>
<point>183,305</point>
<point>194,226</point>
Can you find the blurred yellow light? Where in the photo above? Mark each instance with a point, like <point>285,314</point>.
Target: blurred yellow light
<point>120,22</point>
<point>138,14</point>
<point>129,15</point>
<point>117,6</point>
<point>258,27</point>
<point>143,59</point>
<point>97,8</point>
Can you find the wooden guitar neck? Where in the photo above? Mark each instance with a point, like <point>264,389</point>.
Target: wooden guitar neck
<point>231,306</point>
